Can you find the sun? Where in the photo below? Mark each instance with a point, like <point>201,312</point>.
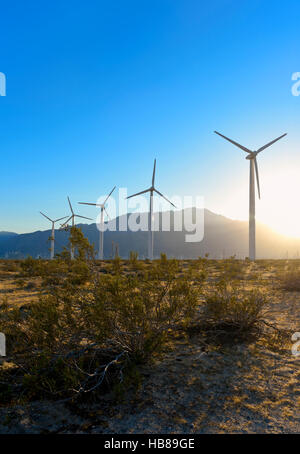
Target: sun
<point>279,205</point>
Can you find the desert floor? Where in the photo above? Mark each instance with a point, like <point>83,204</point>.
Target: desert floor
<point>192,387</point>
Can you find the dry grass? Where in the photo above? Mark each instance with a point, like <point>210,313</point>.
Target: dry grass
<point>290,281</point>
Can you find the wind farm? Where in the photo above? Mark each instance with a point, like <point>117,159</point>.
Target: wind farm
<point>130,302</point>
<point>149,278</point>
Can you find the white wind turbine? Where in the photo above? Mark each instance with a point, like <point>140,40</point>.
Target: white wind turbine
<point>253,170</point>
<point>53,232</point>
<point>101,230</point>
<point>73,216</point>
<point>152,189</point>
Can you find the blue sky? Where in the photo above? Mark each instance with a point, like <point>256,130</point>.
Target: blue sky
<point>96,90</point>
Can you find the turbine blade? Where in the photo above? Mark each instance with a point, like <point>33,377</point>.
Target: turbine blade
<point>153,175</point>
<point>70,206</point>
<point>64,217</point>
<point>257,176</point>
<point>270,143</point>
<point>138,193</point>
<point>234,143</point>
<point>65,223</point>
<point>109,195</point>
<point>83,217</point>
<point>46,217</point>
<point>86,203</point>
<point>164,197</point>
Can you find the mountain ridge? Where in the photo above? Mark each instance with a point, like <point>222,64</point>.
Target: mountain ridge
<point>223,237</point>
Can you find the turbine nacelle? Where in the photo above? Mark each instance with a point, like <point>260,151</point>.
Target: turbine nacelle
<point>252,155</point>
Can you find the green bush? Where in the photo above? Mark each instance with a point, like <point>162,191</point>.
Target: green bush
<point>90,327</point>
<point>234,308</point>
<point>31,267</point>
<point>140,309</point>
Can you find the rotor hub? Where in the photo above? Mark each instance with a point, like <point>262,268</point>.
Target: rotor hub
<point>251,155</point>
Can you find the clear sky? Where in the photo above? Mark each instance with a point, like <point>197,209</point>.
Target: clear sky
<point>97,89</point>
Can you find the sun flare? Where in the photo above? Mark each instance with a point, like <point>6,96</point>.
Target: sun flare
<point>277,207</point>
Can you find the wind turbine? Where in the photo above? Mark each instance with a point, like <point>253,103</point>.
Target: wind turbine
<point>53,232</point>
<point>102,206</point>
<point>73,215</point>
<point>152,189</point>
<point>253,170</point>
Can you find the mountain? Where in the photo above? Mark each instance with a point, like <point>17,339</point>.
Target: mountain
<point>4,234</point>
<point>223,237</point>
<point>4,237</point>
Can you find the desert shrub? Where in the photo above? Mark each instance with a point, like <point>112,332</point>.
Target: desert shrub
<point>79,272</point>
<point>133,258</point>
<point>140,309</point>
<point>50,343</point>
<point>134,263</point>
<point>198,270</point>
<point>90,328</point>
<point>163,258</point>
<point>54,272</point>
<point>290,280</point>
<point>115,265</point>
<point>232,308</point>
<point>62,270</point>
<point>10,265</point>
<point>67,337</point>
<point>233,269</point>
<point>31,267</point>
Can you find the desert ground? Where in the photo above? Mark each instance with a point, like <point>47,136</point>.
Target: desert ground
<point>194,384</point>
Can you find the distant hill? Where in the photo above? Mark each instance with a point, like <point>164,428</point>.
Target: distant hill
<point>223,237</point>
<point>4,234</point>
<point>4,237</point>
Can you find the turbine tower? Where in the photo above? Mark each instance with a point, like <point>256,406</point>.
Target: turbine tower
<point>53,232</point>
<point>152,189</point>
<point>73,215</point>
<point>253,173</point>
<point>101,230</point>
